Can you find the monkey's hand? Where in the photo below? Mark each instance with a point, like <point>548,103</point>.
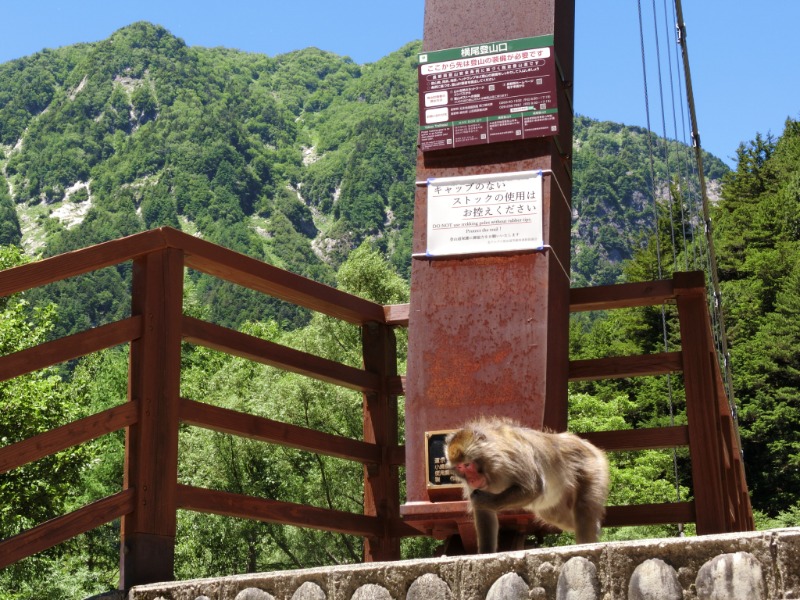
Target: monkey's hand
<point>512,497</point>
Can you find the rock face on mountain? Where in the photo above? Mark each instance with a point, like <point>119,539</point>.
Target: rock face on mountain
<point>294,159</point>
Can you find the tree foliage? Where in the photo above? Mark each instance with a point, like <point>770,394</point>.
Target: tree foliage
<point>31,404</point>
<point>758,231</point>
<point>307,161</point>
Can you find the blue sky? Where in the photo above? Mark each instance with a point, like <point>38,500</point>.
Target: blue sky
<point>742,55</point>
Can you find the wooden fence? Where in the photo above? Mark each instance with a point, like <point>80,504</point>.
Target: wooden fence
<point>151,494</point>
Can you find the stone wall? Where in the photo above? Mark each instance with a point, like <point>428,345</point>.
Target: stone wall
<point>744,566</point>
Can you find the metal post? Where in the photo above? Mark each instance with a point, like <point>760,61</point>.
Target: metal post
<point>489,334</point>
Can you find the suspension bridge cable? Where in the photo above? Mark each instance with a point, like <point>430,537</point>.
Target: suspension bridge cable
<point>665,142</point>
<point>650,140</point>
<point>665,337</point>
<point>723,338</point>
<point>679,180</point>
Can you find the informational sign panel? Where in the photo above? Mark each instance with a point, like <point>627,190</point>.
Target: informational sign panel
<point>487,93</point>
<point>439,473</point>
<point>484,214</point>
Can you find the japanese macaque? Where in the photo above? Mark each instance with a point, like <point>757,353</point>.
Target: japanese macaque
<point>502,465</point>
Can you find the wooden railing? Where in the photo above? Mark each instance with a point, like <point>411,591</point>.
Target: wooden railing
<point>151,493</point>
<point>721,500</point>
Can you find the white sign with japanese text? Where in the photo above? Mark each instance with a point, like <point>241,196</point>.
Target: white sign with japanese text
<point>485,214</point>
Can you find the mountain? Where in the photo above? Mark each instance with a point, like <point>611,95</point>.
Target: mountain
<point>295,160</point>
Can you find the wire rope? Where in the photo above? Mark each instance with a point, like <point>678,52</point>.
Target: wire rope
<point>665,336</point>
<point>712,271</point>
<point>683,193</point>
<point>664,140</point>
<point>681,189</point>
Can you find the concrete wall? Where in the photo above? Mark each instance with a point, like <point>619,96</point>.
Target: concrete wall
<point>746,566</point>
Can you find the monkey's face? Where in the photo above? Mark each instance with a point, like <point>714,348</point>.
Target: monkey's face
<point>471,473</point>
<point>464,466</point>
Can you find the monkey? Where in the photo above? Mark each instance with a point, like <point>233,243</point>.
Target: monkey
<point>503,465</point>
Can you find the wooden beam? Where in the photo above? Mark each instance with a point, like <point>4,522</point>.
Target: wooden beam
<point>266,430</point>
<point>151,450</point>
<point>397,314</point>
<point>274,511</point>
<point>380,425</point>
<point>69,347</point>
<point>650,514</point>
<point>397,385</point>
<point>269,353</point>
<point>65,527</point>
<point>702,412</point>
<point>78,262</point>
<point>639,439</point>
<point>603,297</point>
<point>625,366</point>
<point>202,256</point>
<point>397,455</point>
<point>260,276</point>
<point>426,515</point>
<point>625,295</point>
<point>72,434</point>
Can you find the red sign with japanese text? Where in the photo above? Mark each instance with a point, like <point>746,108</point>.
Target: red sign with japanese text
<point>487,93</point>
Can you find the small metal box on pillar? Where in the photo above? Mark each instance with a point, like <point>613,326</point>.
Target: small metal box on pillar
<point>489,308</point>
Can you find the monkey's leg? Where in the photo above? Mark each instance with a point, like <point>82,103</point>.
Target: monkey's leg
<point>587,522</point>
<point>486,526</point>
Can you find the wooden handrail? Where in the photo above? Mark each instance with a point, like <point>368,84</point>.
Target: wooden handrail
<point>276,511</point>
<point>260,276</point>
<point>78,262</point>
<point>616,516</point>
<point>650,514</point>
<point>66,436</point>
<point>615,367</point>
<point>649,438</point>
<point>65,527</point>
<point>276,432</point>
<point>603,297</point>
<point>69,347</point>
<point>202,256</point>
<point>621,295</point>
<point>269,353</point>
<point>159,257</point>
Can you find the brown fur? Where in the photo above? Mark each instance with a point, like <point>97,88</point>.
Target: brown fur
<point>559,476</point>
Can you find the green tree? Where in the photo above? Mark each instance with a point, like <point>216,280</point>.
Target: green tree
<point>225,462</point>
<point>31,404</point>
<point>759,246</point>
<point>10,232</point>
<point>637,477</point>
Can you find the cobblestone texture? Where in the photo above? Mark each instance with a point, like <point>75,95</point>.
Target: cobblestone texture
<point>752,566</point>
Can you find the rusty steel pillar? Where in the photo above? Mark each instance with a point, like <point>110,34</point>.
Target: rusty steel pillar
<point>488,334</point>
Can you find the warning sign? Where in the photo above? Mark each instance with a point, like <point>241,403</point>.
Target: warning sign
<point>484,214</point>
<point>487,93</point>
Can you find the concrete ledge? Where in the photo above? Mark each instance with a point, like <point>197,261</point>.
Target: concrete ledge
<point>751,566</point>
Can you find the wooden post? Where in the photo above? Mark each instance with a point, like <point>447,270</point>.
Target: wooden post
<point>489,334</point>
<point>702,409</point>
<point>381,482</point>
<point>151,450</point>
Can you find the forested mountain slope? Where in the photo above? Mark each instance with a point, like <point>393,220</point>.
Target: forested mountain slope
<point>298,160</point>
<point>295,160</point>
